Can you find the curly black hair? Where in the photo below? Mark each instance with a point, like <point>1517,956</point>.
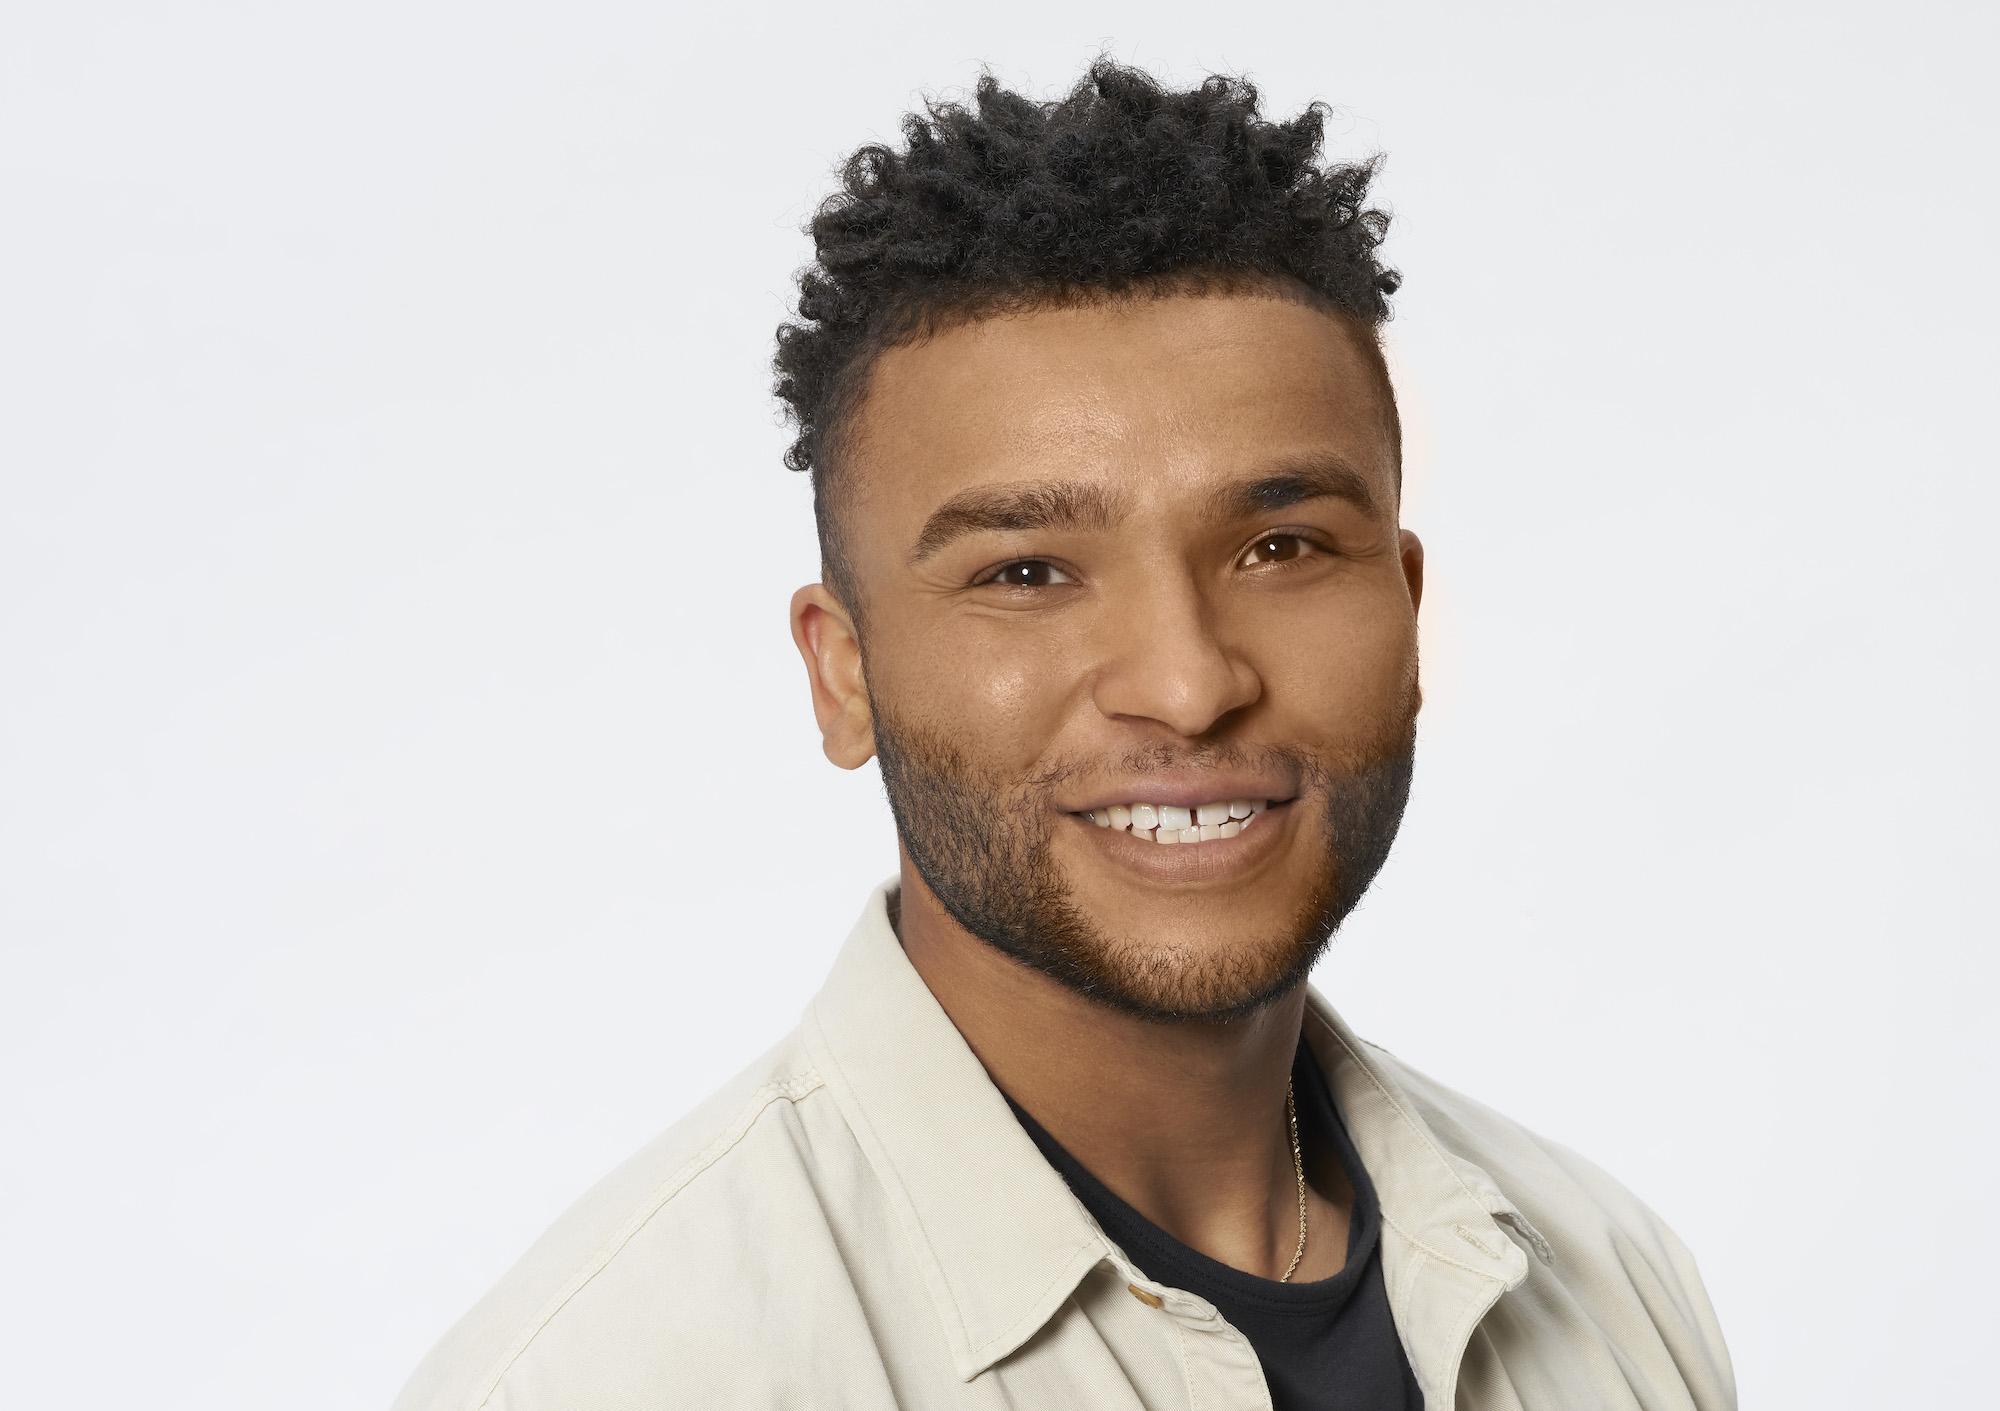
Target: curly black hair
<point>1120,187</point>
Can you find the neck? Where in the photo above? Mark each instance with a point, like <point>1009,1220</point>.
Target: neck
<point>1183,1120</point>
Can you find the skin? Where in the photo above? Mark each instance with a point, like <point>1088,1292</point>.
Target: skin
<point>1163,615</point>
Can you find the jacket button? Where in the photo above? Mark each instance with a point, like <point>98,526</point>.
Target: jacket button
<point>1151,1300</point>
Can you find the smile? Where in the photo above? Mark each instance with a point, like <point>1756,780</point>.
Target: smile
<point>1168,823</point>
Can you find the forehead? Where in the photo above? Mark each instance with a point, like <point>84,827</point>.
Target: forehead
<point>1153,397</point>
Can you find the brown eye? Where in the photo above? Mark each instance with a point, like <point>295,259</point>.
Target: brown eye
<point>1276,548</point>
<point>1029,573</point>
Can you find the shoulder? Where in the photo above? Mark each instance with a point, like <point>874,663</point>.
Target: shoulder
<point>1553,1185</point>
<point>1603,1264</point>
<point>641,1240</point>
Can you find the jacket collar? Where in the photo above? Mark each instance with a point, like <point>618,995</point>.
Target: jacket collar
<point>1445,1257</point>
<point>1001,1241</point>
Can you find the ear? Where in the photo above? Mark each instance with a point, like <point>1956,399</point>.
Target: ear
<point>826,639</point>
<point>1413,567</point>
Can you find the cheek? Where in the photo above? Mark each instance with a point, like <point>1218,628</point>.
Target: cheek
<point>1004,695</point>
<point>1344,673</point>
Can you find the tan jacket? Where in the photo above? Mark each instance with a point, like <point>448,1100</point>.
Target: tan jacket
<point>858,1221</point>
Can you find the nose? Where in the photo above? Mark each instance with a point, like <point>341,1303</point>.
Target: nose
<point>1165,662</point>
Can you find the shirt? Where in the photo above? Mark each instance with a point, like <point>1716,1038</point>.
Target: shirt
<point>1328,1345</point>
<point>857,1221</point>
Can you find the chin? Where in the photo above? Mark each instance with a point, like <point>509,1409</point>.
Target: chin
<point>1200,980</point>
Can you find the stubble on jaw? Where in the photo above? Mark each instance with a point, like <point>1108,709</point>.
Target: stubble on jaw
<point>983,844</point>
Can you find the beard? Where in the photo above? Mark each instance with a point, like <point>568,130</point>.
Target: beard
<point>985,848</point>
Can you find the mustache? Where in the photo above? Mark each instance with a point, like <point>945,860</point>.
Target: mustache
<point>1311,768</point>
<point>1387,739</point>
<point>1170,757</point>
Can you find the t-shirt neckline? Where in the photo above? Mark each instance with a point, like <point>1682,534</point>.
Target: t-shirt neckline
<point>1166,1260</point>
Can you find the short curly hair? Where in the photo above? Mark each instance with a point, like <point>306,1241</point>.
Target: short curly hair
<point>1122,187</point>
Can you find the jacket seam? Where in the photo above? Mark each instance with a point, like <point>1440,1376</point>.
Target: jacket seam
<point>1181,1336</point>
<point>789,1089</point>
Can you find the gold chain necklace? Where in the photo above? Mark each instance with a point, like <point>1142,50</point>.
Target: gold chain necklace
<point>1298,1170</point>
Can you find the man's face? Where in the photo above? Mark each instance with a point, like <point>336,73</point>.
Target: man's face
<point>1140,561</point>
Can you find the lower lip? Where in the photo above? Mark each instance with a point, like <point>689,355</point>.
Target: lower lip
<point>1218,859</point>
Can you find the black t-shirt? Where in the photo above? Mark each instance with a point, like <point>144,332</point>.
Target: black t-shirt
<point>1325,1346</point>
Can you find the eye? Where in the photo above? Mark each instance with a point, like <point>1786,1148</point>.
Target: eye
<point>1027,573</point>
<point>1277,548</point>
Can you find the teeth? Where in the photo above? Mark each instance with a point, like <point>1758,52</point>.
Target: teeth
<point>1170,823</point>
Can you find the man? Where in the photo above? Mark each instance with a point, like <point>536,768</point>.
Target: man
<point>1105,461</point>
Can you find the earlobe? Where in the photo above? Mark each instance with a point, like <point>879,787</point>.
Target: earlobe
<point>825,635</point>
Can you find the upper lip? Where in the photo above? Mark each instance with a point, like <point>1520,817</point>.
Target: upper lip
<point>1185,790</point>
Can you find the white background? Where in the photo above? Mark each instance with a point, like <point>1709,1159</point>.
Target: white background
<point>408,798</point>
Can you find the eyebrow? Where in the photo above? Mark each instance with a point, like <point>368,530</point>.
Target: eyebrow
<point>1039,504</point>
<point>1069,504</point>
<point>1323,477</point>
